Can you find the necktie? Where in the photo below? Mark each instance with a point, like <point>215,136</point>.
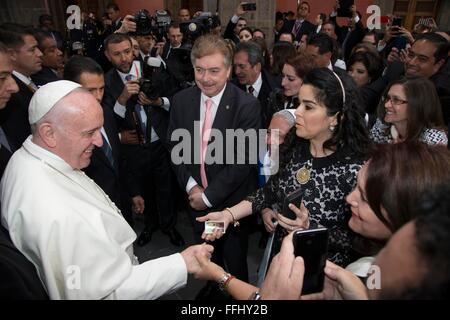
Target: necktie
<point>206,131</point>
<point>129,77</point>
<point>32,86</point>
<point>297,26</point>
<point>4,140</point>
<point>251,90</point>
<point>107,150</point>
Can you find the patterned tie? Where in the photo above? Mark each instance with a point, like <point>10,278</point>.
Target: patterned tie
<point>206,131</point>
<point>251,90</point>
<point>297,26</point>
<point>107,150</point>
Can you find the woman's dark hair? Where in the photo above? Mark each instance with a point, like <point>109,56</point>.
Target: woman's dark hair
<point>281,51</point>
<point>351,132</point>
<point>246,29</point>
<point>302,63</point>
<point>398,175</point>
<point>424,107</point>
<point>372,62</point>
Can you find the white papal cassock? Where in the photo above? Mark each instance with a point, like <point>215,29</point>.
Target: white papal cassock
<point>76,237</point>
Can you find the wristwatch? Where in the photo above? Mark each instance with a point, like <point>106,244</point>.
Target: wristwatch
<point>224,280</point>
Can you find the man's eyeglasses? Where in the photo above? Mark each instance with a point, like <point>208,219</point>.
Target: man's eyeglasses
<point>394,100</point>
<point>241,25</point>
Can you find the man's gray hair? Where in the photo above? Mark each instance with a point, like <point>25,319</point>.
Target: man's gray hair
<point>253,50</point>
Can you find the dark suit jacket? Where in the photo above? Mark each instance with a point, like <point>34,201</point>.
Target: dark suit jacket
<point>18,276</point>
<point>44,76</point>
<point>134,154</point>
<point>355,36</point>
<point>268,85</point>
<point>14,117</point>
<point>100,169</point>
<point>229,32</point>
<point>228,184</point>
<point>306,28</point>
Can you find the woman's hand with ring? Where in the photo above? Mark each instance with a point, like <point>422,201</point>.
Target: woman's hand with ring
<point>301,221</point>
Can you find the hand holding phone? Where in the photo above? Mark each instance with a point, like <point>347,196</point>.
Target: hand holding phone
<point>312,246</point>
<point>296,199</point>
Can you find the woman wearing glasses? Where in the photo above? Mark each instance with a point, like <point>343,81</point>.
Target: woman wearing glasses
<point>410,111</point>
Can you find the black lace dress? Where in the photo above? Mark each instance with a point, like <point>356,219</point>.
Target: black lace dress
<point>332,178</point>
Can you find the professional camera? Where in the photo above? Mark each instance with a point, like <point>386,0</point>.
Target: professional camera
<point>148,84</point>
<point>143,22</point>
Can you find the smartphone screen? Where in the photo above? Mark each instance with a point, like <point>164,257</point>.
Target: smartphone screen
<point>249,6</point>
<point>296,199</point>
<point>312,246</point>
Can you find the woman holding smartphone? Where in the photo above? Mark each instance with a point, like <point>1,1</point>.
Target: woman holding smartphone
<point>332,145</point>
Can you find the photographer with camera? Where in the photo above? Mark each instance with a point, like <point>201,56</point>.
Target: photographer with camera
<point>175,39</point>
<point>148,174</point>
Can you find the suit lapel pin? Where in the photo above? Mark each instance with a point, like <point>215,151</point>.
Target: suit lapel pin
<point>227,107</point>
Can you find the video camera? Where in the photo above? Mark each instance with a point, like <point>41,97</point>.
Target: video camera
<point>157,25</point>
<point>180,65</point>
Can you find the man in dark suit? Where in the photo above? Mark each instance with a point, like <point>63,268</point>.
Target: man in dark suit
<point>18,276</point>
<point>105,167</point>
<point>300,26</point>
<point>352,34</point>
<point>320,47</point>
<point>143,123</point>
<point>26,60</point>
<point>234,26</point>
<point>252,77</point>
<point>52,59</point>
<point>214,106</point>
<point>46,24</point>
<point>175,39</point>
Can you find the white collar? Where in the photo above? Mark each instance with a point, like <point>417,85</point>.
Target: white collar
<point>47,156</point>
<point>143,55</point>
<point>216,99</point>
<point>22,77</point>
<point>135,71</point>
<point>256,85</point>
<point>330,66</point>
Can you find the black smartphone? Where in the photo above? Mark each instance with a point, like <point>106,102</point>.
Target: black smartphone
<point>397,22</point>
<point>312,246</point>
<point>400,43</point>
<point>295,198</point>
<point>344,8</point>
<point>249,6</point>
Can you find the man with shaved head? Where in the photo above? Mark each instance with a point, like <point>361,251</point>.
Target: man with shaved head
<point>63,222</point>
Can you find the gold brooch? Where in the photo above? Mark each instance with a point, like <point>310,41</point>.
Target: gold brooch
<point>303,174</point>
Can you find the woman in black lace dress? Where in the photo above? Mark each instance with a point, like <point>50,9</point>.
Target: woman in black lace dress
<point>332,145</point>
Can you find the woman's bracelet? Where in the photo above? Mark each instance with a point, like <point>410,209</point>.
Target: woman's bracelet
<point>235,222</point>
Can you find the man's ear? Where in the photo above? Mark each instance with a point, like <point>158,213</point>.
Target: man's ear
<point>12,54</point>
<point>438,65</point>
<point>47,134</point>
<point>107,55</point>
<point>258,67</point>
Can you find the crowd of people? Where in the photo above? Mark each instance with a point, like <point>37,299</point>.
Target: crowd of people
<point>90,137</point>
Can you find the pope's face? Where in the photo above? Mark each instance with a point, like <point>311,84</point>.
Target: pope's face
<point>79,133</point>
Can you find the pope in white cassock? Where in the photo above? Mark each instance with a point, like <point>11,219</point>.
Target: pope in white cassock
<point>64,223</point>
